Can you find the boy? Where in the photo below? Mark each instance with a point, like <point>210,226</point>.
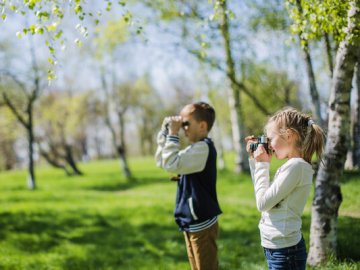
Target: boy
<point>197,206</point>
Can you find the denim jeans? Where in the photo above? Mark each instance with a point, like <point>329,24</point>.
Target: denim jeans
<point>289,258</point>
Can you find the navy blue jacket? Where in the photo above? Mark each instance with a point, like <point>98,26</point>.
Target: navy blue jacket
<point>196,198</point>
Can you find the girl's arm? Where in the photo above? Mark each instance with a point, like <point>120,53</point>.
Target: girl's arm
<point>287,178</point>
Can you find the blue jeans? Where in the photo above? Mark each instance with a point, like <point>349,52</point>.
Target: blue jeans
<point>289,258</point>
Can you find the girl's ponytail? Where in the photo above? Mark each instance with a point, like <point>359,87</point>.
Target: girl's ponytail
<point>314,142</point>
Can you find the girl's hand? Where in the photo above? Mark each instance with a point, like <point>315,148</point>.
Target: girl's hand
<point>249,140</point>
<point>261,155</point>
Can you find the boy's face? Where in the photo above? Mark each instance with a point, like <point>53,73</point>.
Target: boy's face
<point>193,129</point>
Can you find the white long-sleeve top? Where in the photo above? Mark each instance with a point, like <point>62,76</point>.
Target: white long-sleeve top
<point>168,155</point>
<point>282,202</point>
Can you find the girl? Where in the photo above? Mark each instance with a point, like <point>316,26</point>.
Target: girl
<point>293,136</point>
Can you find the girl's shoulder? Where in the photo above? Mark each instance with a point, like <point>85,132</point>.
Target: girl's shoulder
<point>297,164</point>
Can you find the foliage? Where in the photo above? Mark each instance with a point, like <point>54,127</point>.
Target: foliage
<point>269,15</point>
<point>273,88</point>
<point>313,18</point>
<point>110,36</point>
<point>101,222</point>
<point>45,17</point>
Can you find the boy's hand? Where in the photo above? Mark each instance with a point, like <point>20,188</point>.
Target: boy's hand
<point>175,123</point>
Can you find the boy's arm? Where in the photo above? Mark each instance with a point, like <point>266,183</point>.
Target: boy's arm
<point>190,160</point>
<point>161,139</point>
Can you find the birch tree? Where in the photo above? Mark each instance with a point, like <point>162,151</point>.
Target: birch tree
<point>328,197</point>
<point>356,118</point>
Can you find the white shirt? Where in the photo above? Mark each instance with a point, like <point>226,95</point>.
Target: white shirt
<point>282,202</point>
<point>168,155</point>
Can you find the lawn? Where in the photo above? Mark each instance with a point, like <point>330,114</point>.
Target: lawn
<point>100,221</point>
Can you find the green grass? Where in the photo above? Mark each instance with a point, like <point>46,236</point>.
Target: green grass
<point>99,221</point>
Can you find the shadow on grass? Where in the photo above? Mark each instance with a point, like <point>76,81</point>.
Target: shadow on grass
<point>350,176</point>
<point>92,241</point>
<point>83,240</point>
<point>112,185</point>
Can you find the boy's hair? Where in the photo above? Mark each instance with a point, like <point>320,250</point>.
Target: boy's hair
<point>202,111</point>
<point>311,137</point>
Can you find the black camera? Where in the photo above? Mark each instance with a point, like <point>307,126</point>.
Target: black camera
<point>260,140</point>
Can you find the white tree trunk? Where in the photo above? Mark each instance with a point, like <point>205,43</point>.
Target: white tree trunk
<point>328,196</point>
<point>356,125</point>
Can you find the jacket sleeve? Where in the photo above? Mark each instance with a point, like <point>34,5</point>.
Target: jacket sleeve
<point>190,160</point>
<point>160,139</point>
<point>287,178</point>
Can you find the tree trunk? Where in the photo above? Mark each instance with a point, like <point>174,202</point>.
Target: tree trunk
<point>31,176</point>
<point>241,163</point>
<point>356,124</point>
<point>219,146</point>
<point>122,149</point>
<point>329,53</point>
<point>69,157</point>
<point>123,163</point>
<point>53,162</point>
<point>315,101</point>
<point>312,86</point>
<point>328,196</point>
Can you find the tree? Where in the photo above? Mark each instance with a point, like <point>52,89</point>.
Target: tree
<point>20,97</point>
<point>8,138</point>
<point>356,118</point>
<point>149,110</point>
<point>63,119</point>
<point>328,196</point>
<point>304,42</point>
<point>117,97</point>
<point>218,29</point>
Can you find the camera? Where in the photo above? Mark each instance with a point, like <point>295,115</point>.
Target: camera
<point>260,140</point>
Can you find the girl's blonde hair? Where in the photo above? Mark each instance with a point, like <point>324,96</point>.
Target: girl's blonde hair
<point>310,136</point>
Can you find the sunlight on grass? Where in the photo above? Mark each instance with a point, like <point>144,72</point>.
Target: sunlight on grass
<point>100,221</point>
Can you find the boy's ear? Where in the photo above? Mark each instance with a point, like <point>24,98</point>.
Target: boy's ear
<point>203,125</point>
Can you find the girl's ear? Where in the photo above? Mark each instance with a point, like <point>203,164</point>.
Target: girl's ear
<point>291,134</point>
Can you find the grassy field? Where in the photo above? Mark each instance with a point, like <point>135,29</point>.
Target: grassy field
<point>99,221</point>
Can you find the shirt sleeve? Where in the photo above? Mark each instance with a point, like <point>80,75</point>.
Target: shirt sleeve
<point>160,140</point>
<point>190,160</point>
<point>286,180</point>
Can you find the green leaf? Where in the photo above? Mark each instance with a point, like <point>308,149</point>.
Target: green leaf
<point>78,9</point>
<point>58,34</point>
<point>51,49</point>
<point>78,42</point>
<point>39,30</point>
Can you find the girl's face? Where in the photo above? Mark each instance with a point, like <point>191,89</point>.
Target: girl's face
<point>279,143</point>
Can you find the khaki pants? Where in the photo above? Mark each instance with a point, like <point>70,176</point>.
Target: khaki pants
<point>202,249</point>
